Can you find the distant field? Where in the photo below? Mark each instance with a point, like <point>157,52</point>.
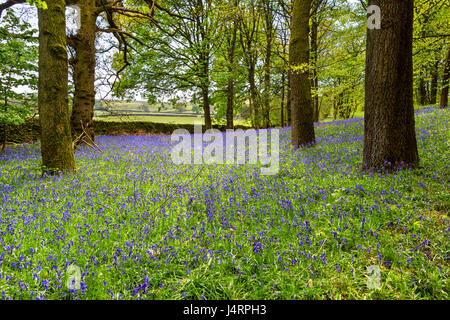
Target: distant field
<point>135,111</point>
<point>138,111</point>
<point>160,119</point>
<point>157,119</point>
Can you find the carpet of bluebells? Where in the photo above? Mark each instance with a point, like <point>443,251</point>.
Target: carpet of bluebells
<point>140,227</point>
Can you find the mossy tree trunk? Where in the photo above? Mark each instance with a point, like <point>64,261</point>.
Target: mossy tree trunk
<point>84,72</point>
<point>56,142</point>
<point>389,133</point>
<point>314,75</point>
<point>301,100</point>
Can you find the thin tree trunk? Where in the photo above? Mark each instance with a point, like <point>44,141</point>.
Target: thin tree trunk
<point>267,81</point>
<point>445,82</point>
<point>5,134</point>
<point>206,108</point>
<point>5,126</point>
<point>56,142</point>
<point>314,52</point>
<point>434,83</point>
<point>267,60</point>
<point>253,94</point>
<point>389,133</point>
<point>301,101</point>
<point>422,91</point>
<point>230,85</point>
<point>283,96</point>
<point>204,58</point>
<point>288,102</point>
<point>230,103</point>
<point>84,72</point>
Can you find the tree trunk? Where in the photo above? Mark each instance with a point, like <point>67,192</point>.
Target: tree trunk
<point>84,73</point>
<point>314,52</point>
<point>445,82</point>
<point>5,134</point>
<point>56,142</point>
<point>389,133</point>
<point>301,101</point>
<point>267,81</point>
<point>283,96</point>
<point>204,60</point>
<point>422,91</point>
<point>253,94</point>
<point>434,83</point>
<point>230,85</point>
<point>288,100</point>
<point>267,60</point>
<point>5,126</point>
<point>206,108</point>
<point>230,103</point>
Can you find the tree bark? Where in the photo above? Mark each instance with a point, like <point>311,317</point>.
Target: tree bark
<point>248,39</point>
<point>434,83</point>
<point>445,82</point>
<point>268,16</point>
<point>84,72</point>
<point>389,133</point>
<point>301,101</point>
<point>267,81</point>
<point>314,52</point>
<point>206,107</point>
<point>230,104</point>
<point>56,142</point>
<point>422,91</point>
<point>230,85</point>
<point>288,100</point>
<point>5,126</point>
<point>5,134</point>
<point>253,94</point>
<point>283,96</point>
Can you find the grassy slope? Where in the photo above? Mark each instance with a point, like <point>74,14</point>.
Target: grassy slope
<point>139,226</point>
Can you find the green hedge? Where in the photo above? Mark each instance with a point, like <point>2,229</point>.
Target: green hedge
<point>30,131</point>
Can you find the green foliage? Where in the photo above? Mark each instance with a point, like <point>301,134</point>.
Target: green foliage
<point>177,53</point>
<point>38,3</point>
<point>341,58</point>
<point>18,69</point>
<point>431,40</point>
